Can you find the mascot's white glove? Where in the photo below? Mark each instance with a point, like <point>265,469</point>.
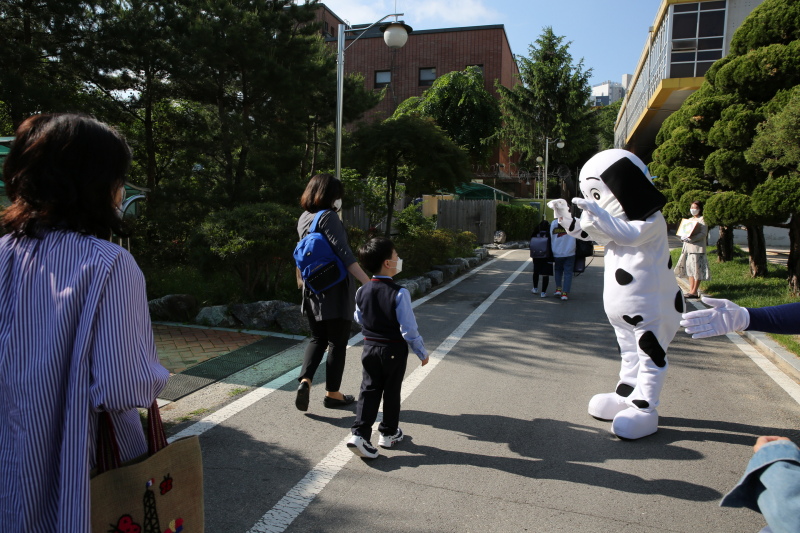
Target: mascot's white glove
<point>560,209</point>
<point>591,219</point>
<point>723,317</point>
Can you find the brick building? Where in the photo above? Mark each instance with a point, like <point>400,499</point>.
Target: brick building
<point>427,55</point>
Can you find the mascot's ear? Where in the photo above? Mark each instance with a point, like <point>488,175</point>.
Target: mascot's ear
<point>638,197</point>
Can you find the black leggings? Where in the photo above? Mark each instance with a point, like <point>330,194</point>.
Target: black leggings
<point>334,333</point>
<point>545,281</point>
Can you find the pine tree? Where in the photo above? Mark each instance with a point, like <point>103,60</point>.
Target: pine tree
<point>551,100</point>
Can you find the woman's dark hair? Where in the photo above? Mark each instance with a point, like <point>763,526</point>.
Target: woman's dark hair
<point>374,252</point>
<point>321,192</point>
<point>699,205</point>
<point>65,171</point>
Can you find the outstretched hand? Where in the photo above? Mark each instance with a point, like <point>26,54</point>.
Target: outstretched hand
<point>722,318</point>
<point>587,205</point>
<point>560,208</point>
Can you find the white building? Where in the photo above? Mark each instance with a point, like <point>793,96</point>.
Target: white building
<point>607,93</point>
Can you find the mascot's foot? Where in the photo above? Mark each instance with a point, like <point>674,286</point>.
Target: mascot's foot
<point>606,406</point>
<point>634,424</point>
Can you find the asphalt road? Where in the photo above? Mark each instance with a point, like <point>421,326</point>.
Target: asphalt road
<point>498,437</point>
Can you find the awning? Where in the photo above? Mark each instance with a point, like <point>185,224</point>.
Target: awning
<point>480,191</point>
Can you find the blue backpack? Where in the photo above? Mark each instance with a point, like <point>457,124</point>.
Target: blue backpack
<point>319,266</point>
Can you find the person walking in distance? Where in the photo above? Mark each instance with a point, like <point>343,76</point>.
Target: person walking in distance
<point>563,246</point>
<point>329,313</point>
<point>541,256</point>
<point>387,322</point>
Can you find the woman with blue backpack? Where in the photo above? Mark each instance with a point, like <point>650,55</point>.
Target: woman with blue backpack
<point>542,256</point>
<point>329,270</point>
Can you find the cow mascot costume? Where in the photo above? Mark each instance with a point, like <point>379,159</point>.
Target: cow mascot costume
<point>622,210</point>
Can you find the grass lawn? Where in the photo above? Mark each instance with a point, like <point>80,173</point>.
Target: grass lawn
<point>732,281</point>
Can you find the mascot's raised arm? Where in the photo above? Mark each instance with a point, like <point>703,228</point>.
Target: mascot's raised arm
<point>622,211</point>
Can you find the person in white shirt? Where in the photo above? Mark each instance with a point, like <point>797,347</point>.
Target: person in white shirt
<point>563,245</point>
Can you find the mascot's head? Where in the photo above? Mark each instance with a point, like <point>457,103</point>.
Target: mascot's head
<point>620,183</point>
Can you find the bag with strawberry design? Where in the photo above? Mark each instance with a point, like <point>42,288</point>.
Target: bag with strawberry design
<point>158,492</point>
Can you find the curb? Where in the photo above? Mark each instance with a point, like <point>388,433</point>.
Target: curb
<point>232,330</point>
<point>786,361</point>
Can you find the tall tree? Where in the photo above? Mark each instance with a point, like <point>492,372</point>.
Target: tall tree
<point>776,148</point>
<point>131,62</point>
<point>606,118</point>
<point>460,104</point>
<point>551,101</point>
<point>431,159</point>
<point>40,42</point>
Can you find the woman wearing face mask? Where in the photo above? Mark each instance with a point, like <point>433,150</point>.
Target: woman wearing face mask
<point>694,261</point>
<point>330,312</point>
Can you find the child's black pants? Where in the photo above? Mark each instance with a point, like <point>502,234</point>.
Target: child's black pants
<point>384,366</point>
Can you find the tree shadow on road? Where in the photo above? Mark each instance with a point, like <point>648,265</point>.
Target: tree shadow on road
<point>559,450</point>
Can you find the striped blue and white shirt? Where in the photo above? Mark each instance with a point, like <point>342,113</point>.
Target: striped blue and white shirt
<point>75,338</point>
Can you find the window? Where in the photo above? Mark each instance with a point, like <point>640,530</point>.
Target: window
<point>684,26</point>
<point>427,76</point>
<point>382,78</point>
<point>682,8</point>
<point>698,26</point>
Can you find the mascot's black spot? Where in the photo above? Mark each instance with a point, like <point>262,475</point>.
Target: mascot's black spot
<point>641,404</point>
<point>623,278</point>
<point>572,226</point>
<point>679,303</point>
<point>624,390</point>
<point>632,320</point>
<point>669,265</point>
<point>649,344</point>
<point>584,234</point>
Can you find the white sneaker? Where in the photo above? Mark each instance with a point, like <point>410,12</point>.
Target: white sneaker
<point>558,293</point>
<point>387,441</point>
<point>544,294</point>
<point>361,447</point>
<point>535,290</point>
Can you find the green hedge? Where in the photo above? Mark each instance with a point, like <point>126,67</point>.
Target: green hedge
<point>516,221</point>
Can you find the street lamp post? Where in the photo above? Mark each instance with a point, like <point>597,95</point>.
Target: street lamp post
<point>395,35</point>
<point>548,141</point>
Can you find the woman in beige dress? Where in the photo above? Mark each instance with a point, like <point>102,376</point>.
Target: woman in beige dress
<point>693,262</point>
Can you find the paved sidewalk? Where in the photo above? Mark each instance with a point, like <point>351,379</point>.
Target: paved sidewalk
<point>180,348</point>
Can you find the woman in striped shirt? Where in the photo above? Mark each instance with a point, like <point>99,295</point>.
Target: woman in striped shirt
<point>75,333</point>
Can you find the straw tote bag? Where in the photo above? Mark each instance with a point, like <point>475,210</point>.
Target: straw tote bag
<point>160,491</point>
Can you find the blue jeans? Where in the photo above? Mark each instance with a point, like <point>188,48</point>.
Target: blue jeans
<point>563,268</point>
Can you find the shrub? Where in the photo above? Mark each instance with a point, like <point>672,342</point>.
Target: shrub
<point>255,241</point>
<point>432,247</point>
<point>516,221</point>
<point>410,221</point>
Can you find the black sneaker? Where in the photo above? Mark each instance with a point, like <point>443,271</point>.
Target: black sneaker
<point>303,393</point>
<point>333,403</point>
<point>362,447</point>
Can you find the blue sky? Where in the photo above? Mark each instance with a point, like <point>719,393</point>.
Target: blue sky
<point>608,35</point>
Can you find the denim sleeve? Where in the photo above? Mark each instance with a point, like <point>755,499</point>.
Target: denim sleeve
<point>408,324</point>
<point>771,486</point>
<point>782,319</point>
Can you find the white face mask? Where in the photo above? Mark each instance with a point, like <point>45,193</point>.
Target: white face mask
<point>399,265</point>
<point>337,205</point>
<point>694,212</point>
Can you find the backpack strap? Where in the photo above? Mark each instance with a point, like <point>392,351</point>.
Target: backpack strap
<point>313,228</point>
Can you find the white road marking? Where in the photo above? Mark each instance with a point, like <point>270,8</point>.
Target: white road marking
<point>265,390</point>
<point>777,375</point>
<point>301,495</point>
